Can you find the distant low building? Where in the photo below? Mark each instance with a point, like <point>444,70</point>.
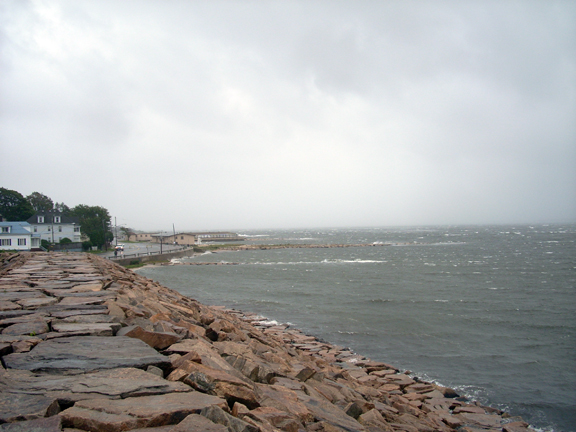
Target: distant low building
<point>54,226</point>
<point>182,239</point>
<point>140,237</point>
<point>192,238</point>
<point>217,237</point>
<point>18,236</point>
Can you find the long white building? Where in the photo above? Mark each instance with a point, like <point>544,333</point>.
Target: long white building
<point>18,236</point>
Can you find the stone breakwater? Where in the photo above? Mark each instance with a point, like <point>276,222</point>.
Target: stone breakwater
<point>309,246</point>
<point>87,345</point>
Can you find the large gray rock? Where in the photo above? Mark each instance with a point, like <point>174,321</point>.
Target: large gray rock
<point>112,384</point>
<point>126,414</point>
<point>20,406</point>
<point>80,354</point>
<point>7,314</point>
<point>21,319</point>
<point>32,328</point>
<point>8,305</point>
<point>36,302</point>
<point>50,424</point>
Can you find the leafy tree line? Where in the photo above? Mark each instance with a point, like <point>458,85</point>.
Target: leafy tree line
<point>94,220</point>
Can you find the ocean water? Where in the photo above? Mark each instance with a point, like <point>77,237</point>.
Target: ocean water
<point>487,310</point>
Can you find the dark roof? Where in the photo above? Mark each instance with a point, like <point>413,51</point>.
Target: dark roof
<point>33,220</point>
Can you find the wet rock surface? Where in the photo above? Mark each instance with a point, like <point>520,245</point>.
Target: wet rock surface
<point>87,345</point>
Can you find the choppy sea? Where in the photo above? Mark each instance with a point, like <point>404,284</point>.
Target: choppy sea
<point>487,310</point>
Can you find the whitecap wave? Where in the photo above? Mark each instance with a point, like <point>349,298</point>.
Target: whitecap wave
<point>268,323</point>
<point>326,261</point>
<point>354,261</point>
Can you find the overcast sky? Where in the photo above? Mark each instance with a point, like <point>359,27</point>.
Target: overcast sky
<point>269,114</point>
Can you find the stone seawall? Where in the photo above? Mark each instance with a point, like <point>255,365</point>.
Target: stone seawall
<point>157,257</point>
<point>87,345</point>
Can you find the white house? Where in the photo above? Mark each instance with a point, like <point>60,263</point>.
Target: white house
<point>17,236</point>
<point>53,226</point>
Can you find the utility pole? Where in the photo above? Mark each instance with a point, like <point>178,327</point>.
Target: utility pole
<point>104,247</point>
<point>115,230</point>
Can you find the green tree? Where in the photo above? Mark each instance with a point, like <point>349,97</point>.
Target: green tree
<point>62,208</point>
<point>13,206</point>
<point>65,240</point>
<point>127,232</point>
<point>95,223</point>
<point>40,202</point>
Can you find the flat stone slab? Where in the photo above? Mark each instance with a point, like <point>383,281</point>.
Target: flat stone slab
<point>10,339</point>
<point>79,354</point>
<point>137,412</point>
<point>19,294</point>
<point>111,384</point>
<point>65,308</point>
<point>21,319</point>
<point>69,293</point>
<point>76,312</point>
<point>14,313</point>
<point>94,329</point>
<point>6,305</point>
<point>76,301</point>
<point>91,318</point>
<point>50,424</point>
<point>20,406</point>
<point>87,287</point>
<point>31,328</point>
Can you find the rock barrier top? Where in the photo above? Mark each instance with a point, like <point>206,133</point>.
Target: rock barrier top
<point>87,345</point>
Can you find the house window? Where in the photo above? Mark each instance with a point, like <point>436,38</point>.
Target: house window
<point>76,229</point>
<point>60,228</point>
<point>5,229</point>
<point>181,237</point>
<point>40,219</point>
<point>57,219</point>
<point>22,242</point>
<point>35,228</point>
<point>49,229</point>
<point>6,242</point>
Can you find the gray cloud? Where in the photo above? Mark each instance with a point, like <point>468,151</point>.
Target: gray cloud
<point>215,115</point>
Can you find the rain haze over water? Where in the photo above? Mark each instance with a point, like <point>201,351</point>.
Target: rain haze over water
<point>278,114</point>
